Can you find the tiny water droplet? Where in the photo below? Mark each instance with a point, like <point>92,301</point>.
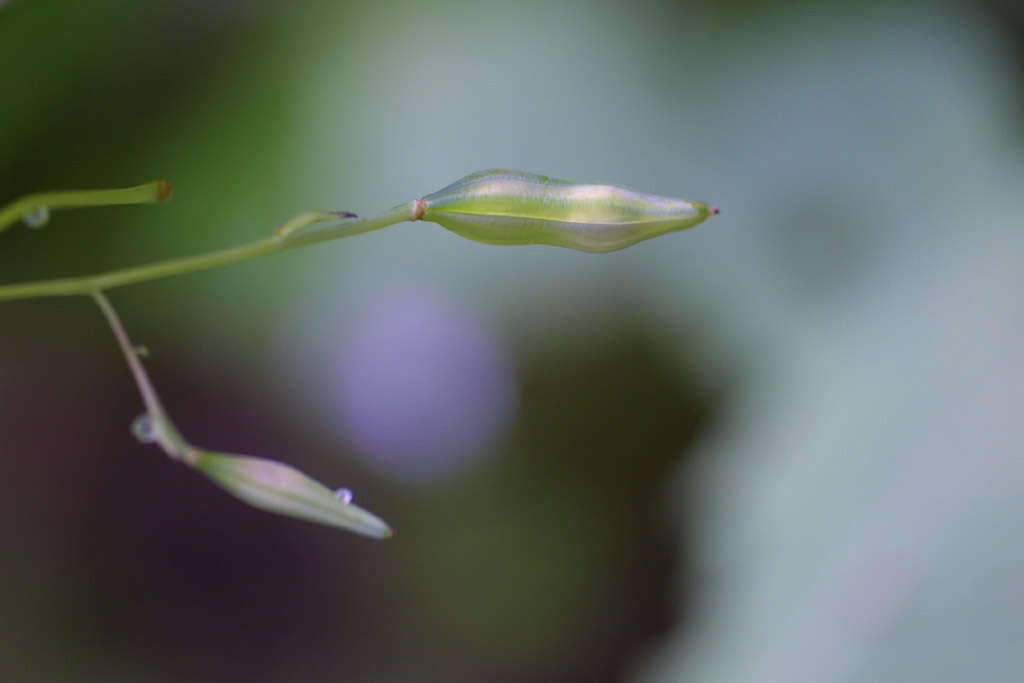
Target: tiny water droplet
<point>142,429</point>
<point>37,217</point>
<point>142,351</point>
<point>344,495</point>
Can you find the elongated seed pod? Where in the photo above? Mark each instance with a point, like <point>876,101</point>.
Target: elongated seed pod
<point>512,207</point>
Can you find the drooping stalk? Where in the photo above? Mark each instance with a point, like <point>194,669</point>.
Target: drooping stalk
<point>262,483</point>
<point>164,431</point>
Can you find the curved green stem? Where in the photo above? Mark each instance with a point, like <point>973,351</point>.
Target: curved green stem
<point>167,435</point>
<point>262,483</point>
<point>156,191</point>
<point>310,233</point>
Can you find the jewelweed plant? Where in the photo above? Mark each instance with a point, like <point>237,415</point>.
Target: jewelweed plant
<point>496,207</point>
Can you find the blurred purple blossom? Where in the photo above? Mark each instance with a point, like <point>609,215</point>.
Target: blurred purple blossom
<point>421,386</point>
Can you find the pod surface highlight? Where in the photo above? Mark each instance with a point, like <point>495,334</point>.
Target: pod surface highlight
<point>501,206</point>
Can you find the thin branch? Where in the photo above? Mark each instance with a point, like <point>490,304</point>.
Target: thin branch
<point>308,234</point>
<point>167,435</point>
<point>156,191</point>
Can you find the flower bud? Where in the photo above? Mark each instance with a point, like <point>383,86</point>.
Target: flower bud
<point>512,207</point>
<point>281,489</point>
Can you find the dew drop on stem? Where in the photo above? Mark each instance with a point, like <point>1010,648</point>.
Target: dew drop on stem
<point>37,217</point>
<point>344,495</point>
<point>142,429</point>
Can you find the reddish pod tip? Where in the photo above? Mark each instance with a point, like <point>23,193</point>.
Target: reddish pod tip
<point>163,190</point>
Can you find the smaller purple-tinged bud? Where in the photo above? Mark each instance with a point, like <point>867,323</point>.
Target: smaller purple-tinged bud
<point>284,490</point>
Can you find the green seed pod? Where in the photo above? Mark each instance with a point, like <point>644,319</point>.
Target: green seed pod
<point>279,488</point>
<point>512,207</point>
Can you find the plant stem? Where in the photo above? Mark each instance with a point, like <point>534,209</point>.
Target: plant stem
<point>167,435</point>
<point>317,232</point>
<point>156,191</point>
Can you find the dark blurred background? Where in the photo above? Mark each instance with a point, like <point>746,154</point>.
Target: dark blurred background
<point>784,446</point>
